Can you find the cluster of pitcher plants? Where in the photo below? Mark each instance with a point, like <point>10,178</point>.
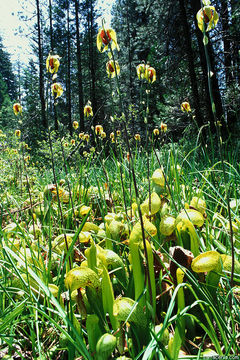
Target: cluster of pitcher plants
<point>113,268</point>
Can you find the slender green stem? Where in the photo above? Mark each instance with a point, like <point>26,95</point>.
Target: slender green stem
<point>124,118</point>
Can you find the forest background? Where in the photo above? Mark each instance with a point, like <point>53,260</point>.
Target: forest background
<point>163,34</point>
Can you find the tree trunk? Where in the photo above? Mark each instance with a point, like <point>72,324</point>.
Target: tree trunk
<point>68,84</point>
<point>52,50</point>
<point>228,63</point>
<point>41,76</point>
<point>92,64</point>
<point>191,68</point>
<point>79,72</point>
<point>129,55</point>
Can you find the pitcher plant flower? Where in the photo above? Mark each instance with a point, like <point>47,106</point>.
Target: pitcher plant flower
<point>17,109</point>
<point>18,133</point>
<point>57,90</point>
<point>185,106</point>
<point>52,63</point>
<point>112,68</point>
<point>207,18</point>
<point>137,137</point>
<point>75,125</point>
<point>86,137</point>
<point>150,74</point>
<point>98,129</point>
<point>81,135</point>
<point>163,127</point>
<point>141,71</point>
<point>156,132</point>
<point>112,137</point>
<point>103,135</point>
<point>88,111</point>
<point>106,37</point>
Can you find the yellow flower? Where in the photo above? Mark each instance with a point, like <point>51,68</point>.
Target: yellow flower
<point>17,108</point>
<point>111,70</point>
<point>81,135</point>
<point>163,127</point>
<point>86,137</point>
<point>106,37</point>
<point>92,149</point>
<point>75,125</point>
<point>73,142</point>
<point>208,17</point>
<point>103,135</point>
<point>112,137</point>
<point>98,129</point>
<point>141,69</point>
<point>88,111</point>
<point>26,158</point>
<point>137,137</point>
<point>18,133</point>
<point>155,132</point>
<point>57,90</point>
<point>52,63</point>
<point>185,107</point>
<point>65,144</point>
<point>150,74</point>
<point>118,132</point>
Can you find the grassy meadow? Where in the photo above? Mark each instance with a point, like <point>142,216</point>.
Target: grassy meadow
<point>80,279</point>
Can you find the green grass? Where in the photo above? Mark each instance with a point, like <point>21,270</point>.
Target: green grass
<point>43,318</point>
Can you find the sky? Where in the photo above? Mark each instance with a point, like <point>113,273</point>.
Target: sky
<point>17,45</point>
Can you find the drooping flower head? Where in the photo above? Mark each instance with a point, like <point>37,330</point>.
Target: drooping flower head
<point>155,132</point>
<point>150,74</point>
<point>52,63</point>
<point>17,108</point>
<point>88,111</point>
<point>81,135</point>
<point>106,37</point>
<point>86,137</point>
<point>163,127</point>
<point>111,70</point>
<point>98,129</point>
<point>75,125</point>
<point>141,71</point>
<point>185,106</point>
<point>103,135</point>
<point>57,90</point>
<point>207,17</point>
<point>118,132</point>
<point>137,137</point>
<point>112,137</point>
<point>18,133</point>
<point>27,158</point>
<point>73,142</point>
